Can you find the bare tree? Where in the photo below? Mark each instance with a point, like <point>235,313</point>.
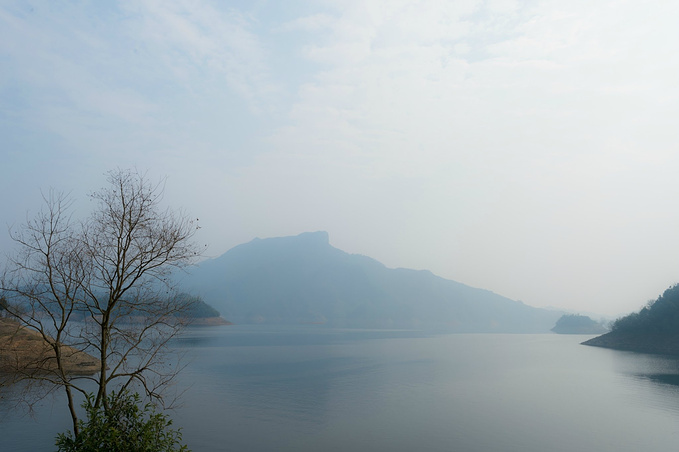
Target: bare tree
<point>101,286</point>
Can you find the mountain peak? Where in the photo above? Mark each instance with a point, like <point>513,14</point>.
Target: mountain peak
<point>316,237</point>
<point>303,279</point>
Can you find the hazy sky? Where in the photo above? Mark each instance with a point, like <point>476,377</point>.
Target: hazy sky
<point>526,147</point>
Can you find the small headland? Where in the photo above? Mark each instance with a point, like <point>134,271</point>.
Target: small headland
<point>654,329</point>
<point>197,312</point>
<point>640,342</point>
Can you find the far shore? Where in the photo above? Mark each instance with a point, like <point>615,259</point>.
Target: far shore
<point>209,321</point>
<point>24,350</point>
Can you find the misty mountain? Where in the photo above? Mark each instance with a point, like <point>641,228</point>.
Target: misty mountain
<point>303,279</point>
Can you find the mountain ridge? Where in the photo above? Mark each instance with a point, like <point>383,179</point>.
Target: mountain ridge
<point>303,279</point>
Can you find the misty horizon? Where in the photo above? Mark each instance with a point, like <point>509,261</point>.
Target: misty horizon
<point>527,148</point>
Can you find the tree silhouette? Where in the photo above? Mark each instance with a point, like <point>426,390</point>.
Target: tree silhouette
<point>100,285</point>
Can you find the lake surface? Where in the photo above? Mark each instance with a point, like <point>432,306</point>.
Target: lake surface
<point>259,388</point>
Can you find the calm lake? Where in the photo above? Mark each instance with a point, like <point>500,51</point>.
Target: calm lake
<point>261,388</point>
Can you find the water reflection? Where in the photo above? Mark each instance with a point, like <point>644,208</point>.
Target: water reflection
<point>652,381</point>
<point>285,382</point>
<point>661,368</point>
<point>665,379</point>
<point>308,389</point>
<point>282,336</point>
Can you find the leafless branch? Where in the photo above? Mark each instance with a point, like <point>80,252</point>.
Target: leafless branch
<point>99,286</point>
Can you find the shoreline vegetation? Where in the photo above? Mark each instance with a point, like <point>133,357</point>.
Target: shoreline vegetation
<point>654,329</point>
<point>200,313</point>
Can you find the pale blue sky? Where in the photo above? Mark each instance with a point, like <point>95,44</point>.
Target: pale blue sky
<point>529,148</point>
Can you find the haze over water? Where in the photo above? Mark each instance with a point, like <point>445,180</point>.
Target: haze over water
<point>257,388</point>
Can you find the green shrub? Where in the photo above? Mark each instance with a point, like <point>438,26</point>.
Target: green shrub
<point>125,426</point>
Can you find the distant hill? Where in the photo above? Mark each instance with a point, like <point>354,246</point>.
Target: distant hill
<point>654,329</point>
<point>303,279</point>
<point>199,313</point>
<point>577,324</point>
